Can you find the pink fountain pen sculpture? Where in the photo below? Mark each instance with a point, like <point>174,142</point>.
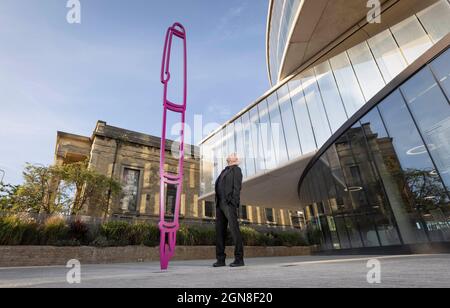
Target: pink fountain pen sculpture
<point>169,228</point>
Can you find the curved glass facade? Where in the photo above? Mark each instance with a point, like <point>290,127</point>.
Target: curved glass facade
<point>299,116</point>
<point>283,17</point>
<point>386,180</point>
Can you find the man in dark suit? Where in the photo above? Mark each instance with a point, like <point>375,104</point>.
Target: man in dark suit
<point>228,199</point>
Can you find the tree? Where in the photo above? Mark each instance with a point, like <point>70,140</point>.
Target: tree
<point>8,195</point>
<point>35,194</point>
<point>59,189</point>
<point>90,186</point>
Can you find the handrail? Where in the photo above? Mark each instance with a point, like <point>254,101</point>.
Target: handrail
<point>169,229</point>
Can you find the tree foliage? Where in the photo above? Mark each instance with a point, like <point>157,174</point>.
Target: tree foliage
<point>64,189</point>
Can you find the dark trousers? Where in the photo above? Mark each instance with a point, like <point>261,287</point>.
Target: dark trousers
<point>228,215</point>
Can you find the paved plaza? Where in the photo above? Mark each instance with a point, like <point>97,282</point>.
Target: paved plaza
<point>291,272</point>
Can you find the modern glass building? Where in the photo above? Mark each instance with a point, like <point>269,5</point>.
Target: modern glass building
<point>356,129</point>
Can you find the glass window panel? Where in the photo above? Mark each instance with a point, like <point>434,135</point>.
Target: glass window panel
<point>130,183</point>
<point>441,69</point>
<point>366,70</point>
<point>387,54</point>
<point>207,166</point>
<point>239,137</point>
<point>436,20</point>
<point>353,231</point>
<point>266,136</point>
<point>331,96</point>
<point>422,190</point>
<point>412,38</point>
<point>431,111</point>
<point>230,140</point>
<point>276,126</point>
<point>258,147</point>
<point>343,198</point>
<point>301,113</point>
<point>316,110</point>
<point>218,161</point>
<point>368,194</point>
<point>389,169</point>
<point>248,146</point>
<point>348,84</point>
<point>224,150</point>
<point>368,231</point>
<point>290,127</point>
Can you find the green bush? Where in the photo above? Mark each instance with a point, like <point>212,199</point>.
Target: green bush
<point>184,237</point>
<point>118,233</point>
<point>290,239</point>
<point>79,232</point>
<point>251,237</point>
<point>55,230</point>
<point>101,242</point>
<point>144,234</point>
<point>16,231</point>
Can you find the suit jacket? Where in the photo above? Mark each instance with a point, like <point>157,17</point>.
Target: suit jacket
<point>231,186</point>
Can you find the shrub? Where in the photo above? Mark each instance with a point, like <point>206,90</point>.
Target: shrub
<point>101,242</point>
<point>21,230</point>
<point>290,239</point>
<point>152,238</point>
<point>55,231</point>
<point>144,234</point>
<point>202,236</point>
<point>15,231</point>
<point>79,231</point>
<point>184,237</point>
<point>118,233</point>
<point>251,237</point>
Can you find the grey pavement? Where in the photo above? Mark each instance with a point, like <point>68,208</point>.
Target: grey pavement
<point>291,272</point>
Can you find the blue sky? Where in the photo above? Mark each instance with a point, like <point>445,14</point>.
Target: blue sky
<point>55,76</point>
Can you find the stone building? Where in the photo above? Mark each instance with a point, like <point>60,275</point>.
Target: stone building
<point>133,158</point>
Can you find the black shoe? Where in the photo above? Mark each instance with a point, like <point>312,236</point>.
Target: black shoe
<point>219,264</point>
<point>237,263</point>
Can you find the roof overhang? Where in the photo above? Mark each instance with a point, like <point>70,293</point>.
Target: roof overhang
<point>324,25</point>
<point>274,189</point>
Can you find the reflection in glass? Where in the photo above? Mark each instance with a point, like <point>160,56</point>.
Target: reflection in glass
<point>348,84</point>
<point>248,146</point>
<point>130,181</point>
<point>412,38</point>
<point>301,113</point>
<point>277,131</point>
<point>441,70</point>
<point>317,112</point>
<point>387,54</point>
<point>239,138</point>
<point>266,136</point>
<point>425,192</point>
<point>436,20</point>
<point>366,70</point>
<point>290,127</point>
<point>431,110</point>
<point>258,147</point>
<point>330,95</point>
